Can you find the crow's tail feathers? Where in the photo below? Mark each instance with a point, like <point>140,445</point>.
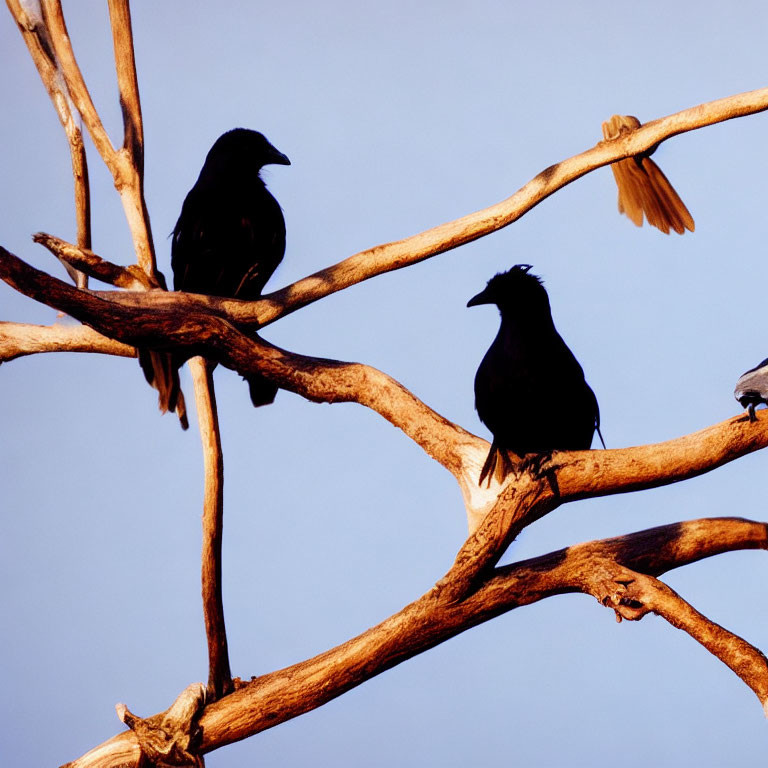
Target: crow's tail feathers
<point>262,390</point>
<point>496,466</point>
<point>162,373</point>
<point>600,435</point>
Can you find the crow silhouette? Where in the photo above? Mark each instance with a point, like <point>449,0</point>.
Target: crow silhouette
<point>230,236</point>
<point>530,390</point>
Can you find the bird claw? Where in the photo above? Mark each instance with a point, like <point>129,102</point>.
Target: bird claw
<point>538,465</point>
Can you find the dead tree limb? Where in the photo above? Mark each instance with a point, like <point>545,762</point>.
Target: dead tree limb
<point>567,477</point>
<point>128,176</point>
<point>633,595</point>
<point>131,277</point>
<point>219,674</point>
<point>589,568</point>
<point>39,43</point>
<point>21,339</point>
<point>403,253</point>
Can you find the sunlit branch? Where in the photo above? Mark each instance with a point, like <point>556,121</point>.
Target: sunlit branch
<point>39,43</point>
<point>403,253</point>
<point>21,339</point>
<point>219,674</point>
<point>131,277</point>
<point>273,698</point>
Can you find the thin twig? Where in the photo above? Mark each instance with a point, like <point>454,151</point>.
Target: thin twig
<point>131,278</point>
<point>219,674</point>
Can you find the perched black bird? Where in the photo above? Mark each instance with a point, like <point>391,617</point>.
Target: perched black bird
<point>752,388</point>
<point>529,389</point>
<point>230,235</point>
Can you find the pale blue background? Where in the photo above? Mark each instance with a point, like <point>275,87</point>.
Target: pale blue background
<point>397,116</point>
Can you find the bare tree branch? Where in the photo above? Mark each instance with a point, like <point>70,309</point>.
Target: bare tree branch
<point>403,253</point>
<point>567,477</point>
<point>131,278</point>
<point>278,696</point>
<point>40,46</point>
<point>78,91</point>
<point>396,255</point>
<point>132,193</point>
<point>128,178</point>
<point>219,674</point>
<point>633,595</point>
<point>21,339</point>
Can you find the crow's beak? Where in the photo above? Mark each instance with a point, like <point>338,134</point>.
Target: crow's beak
<point>277,158</point>
<point>481,298</point>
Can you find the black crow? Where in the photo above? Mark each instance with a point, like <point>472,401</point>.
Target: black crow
<point>752,388</point>
<point>230,235</point>
<point>643,187</point>
<point>529,389</point>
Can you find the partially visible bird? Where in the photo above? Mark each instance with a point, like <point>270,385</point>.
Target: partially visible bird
<point>530,390</point>
<point>752,388</point>
<point>230,236</point>
<point>643,187</point>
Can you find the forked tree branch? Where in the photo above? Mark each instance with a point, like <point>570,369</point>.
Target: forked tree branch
<point>566,477</point>
<point>403,253</point>
<point>38,41</point>
<point>591,568</point>
<point>633,595</point>
<point>127,168</point>
<point>128,177</point>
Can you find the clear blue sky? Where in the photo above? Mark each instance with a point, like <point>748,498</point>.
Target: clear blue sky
<point>397,116</point>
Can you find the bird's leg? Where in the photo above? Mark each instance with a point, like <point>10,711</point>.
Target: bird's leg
<point>536,464</point>
<point>751,409</point>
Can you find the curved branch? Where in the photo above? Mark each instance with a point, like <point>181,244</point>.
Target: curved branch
<point>205,334</point>
<point>569,475</point>
<point>587,474</point>
<point>403,253</point>
<point>633,595</point>
<point>271,699</point>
